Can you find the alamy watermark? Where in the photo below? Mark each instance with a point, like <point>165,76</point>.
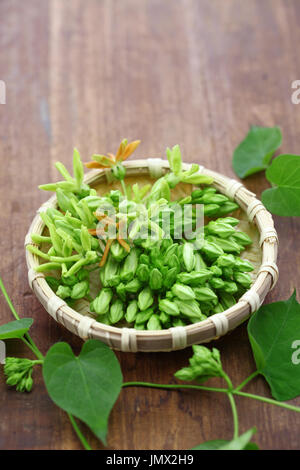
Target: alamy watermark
<point>295,96</point>
<point>159,221</point>
<point>2,352</point>
<point>2,92</point>
<point>296,354</point>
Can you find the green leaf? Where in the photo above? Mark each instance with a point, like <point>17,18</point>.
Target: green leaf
<point>15,329</point>
<point>87,385</point>
<point>254,153</point>
<point>273,331</point>
<point>240,443</point>
<point>284,199</point>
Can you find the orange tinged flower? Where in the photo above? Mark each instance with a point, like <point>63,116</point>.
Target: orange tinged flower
<point>108,161</point>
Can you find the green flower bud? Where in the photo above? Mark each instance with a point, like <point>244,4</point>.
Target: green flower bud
<point>175,161</point>
<point>216,283</point>
<point>117,251</point>
<point>229,220</point>
<point>145,299</point>
<point>104,319</point>
<point>172,250</point>
<point>188,256</point>
<point>243,265</point>
<point>121,291</point>
<point>210,209</point>
<point>28,384</point>
<point>220,229</point>
<point>130,265</point>
<point>227,300</point>
<point>189,308</point>
<point>85,238</point>
<point>211,250</point>
<point>101,303</point>
<point>144,316</point>
<point>204,294</point>
<point>166,306</point>
<point>115,195</point>
<point>156,279</point>
<point>131,311</point>
<point>226,261</point>
<point>144,259</point>
<point>186,374</point>
<point>195,278</point>
<point>228,245</point>
<point>169,295</point>
<point>21,386</point>
<point>79,290</point>
<point>199,262</point>
<point>241,238</point>
<point>166,243</point>
<point>63,292</point>
<point>243,278</point>
<point>216,271</point>
<point>69,281</point>
<point>67,247</point>
<point>116,312</point>
<point>226,208</point>
<point>230,287</point>
<point>214,199</point>
<point>227,273</point>
<point>119,171</point>
<point>111,269</point>
<point>133,286</point>
<point>14,379</point>
<point>183,292</point>
<point>218,308</point>
<point>164,319</point>
<point>154,323</point>
<point>170,277</point>
<point>196,194</point>
<point>143,272</point>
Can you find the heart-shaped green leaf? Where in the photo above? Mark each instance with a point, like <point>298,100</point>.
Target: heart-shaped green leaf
<point>240,443</point>
<point>15,329</point>
<point>254,153</point>
<point>284,198</point>
<point>274,330</point>
<point>87,385</point>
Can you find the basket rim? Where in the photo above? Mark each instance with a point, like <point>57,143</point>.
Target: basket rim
<point>129,339</point>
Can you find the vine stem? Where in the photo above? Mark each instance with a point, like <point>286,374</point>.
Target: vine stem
<point>79,433</point>
<point>124,187</point>
<point>27,340</point>
<point>248,379</point>
<point>268,400</point>
<point>174,386</point>
<point>235,416</point>
<point>33,347</point>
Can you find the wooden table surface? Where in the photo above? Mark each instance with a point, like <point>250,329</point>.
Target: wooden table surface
<point>87,73</point>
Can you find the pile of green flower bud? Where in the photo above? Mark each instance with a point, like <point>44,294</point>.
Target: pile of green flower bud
<point>155,283</point>
<point>173,284</point>
<point>18,372</point>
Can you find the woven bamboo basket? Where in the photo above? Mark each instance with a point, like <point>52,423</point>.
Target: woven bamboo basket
<point>254,219</point>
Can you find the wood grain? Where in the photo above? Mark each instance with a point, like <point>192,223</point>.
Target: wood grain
<point>87,73</point>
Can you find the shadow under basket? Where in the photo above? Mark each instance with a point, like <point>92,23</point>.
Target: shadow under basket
<point>254,219</point>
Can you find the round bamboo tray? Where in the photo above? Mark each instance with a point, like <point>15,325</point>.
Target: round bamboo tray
<point>129,339</point>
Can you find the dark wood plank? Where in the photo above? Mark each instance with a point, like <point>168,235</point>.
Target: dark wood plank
<point>87,73</point>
